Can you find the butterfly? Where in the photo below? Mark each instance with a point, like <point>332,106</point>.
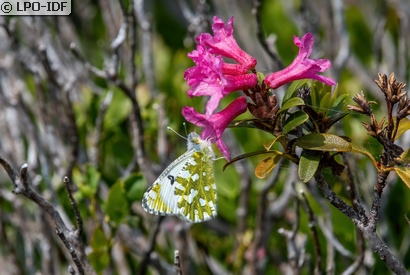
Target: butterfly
<point>186,188</point>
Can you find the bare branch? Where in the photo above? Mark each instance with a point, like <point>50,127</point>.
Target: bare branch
<point>74,205</point>
<point>177,263</point>
<point>377,195</point>
<point>151,245</point>
<point>329,194</point>
<point>70,239</point>
<point>295,243</point>
<point>133,240</point>
<point>367,230</point>
<point>95,153</point>
<point>261,37</point>
<point>312,226</point>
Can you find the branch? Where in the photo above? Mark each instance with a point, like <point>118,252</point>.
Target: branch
<point>71,239</point>
<point>316,242</point>
<point>357,206</point>
<point>112,75</point>
<point>99,124</point>
<point>380,248</point>
<point>261,221</point>
<point>351,188</point>
<point>74,206</point>
<point>134,241</point>
<point>295,246</point>
<point>151,245</point>
<point>367,230</point>
<point>377,195</point>
<point>177,263</point>
<point>260,35</point>
<point>331,196</point>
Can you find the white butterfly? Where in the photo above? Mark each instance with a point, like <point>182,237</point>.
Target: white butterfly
<point>187,187</point>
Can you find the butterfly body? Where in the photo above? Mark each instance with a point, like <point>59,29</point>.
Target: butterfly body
<point>186,188</point>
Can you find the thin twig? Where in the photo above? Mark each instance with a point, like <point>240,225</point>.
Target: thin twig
<point>151,245</point>
<point>74,205</point>
<point>341,34</point>
<point>260,35</point>
<point>134,241</point>
<point>377,195</point>
<point>360,247</point>
<point>133,44</point>
<point>71,250</point>
<point>71,241</point>
<point>177,263</point>
<point>144,23</point>
<point>367,230</point>
<point>261,220</point>
<point>74,135</point>
<point>357,206</point>
<point>313,230</point>
<point>112,76</point>
<point>99,124</point>
<point>351,188</point>
<point>295,254</point>
<point>181,236</point>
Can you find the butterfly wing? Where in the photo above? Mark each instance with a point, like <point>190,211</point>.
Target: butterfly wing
<point>195,188</point>
<point>186,188</point>
<point>160,197</point>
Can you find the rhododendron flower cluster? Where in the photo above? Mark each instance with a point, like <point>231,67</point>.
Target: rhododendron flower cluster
<point>213,77</point>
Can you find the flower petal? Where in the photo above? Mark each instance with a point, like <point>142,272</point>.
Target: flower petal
<point>302,67</point>
<point>223,43</point>
<point>215,125</point>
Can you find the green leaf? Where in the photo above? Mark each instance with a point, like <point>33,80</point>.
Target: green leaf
<point>99,257</point>
<point>118,110</point>
<point>293,88</point>
<point>265,166</point>
<point>325,102</point>
<point>315,97</point>
<point>404,174</point>
<point>324,142</point>
<point>294,120</point>
<point>293,102</point>
<point>99,241</point>
<point>337,105</point>
<point>86,181</point>
<point>135,186</point>
<point>308,164</point>
<point>99,260</point>
<point>404,125</point>
<point>116,207</point>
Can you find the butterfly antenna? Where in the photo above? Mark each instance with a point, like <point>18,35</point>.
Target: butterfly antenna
<point>186,132</point>
<point>175,132</point>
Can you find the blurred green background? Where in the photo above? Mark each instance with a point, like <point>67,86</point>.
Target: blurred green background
<point>65,113</point>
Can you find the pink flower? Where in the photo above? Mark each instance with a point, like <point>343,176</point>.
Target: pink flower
<point>223,43</point>
<point>302,67</point>
<point>212,77</point>
<point>216,124</point>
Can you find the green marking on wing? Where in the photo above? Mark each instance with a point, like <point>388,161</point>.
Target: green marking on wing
<point>157,205</point>
<point>198,195</point>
